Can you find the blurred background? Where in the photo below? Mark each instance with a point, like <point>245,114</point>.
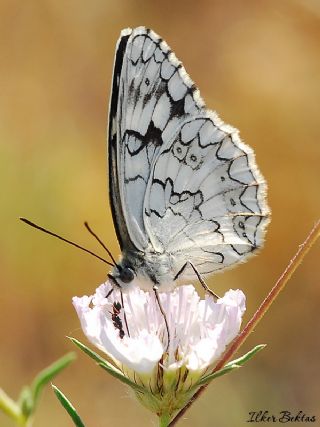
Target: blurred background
<point>258,65</point>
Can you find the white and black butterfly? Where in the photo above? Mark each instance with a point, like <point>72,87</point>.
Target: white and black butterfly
<point>186,195</point>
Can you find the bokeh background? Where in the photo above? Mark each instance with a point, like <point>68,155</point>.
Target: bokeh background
<point>258,65</point>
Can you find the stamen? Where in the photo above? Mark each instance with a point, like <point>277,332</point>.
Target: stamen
<point>155,289</point>
<point>124,313</point>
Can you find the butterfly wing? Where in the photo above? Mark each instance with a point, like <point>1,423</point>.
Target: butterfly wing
<point>206,198</point>
<point>151,97</point>
<point>181,181</point>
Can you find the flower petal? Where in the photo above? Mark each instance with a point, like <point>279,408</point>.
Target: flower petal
<point>220,323</point>
<point>140,353</point>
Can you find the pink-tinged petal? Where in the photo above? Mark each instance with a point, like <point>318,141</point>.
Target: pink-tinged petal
<point>140,354</point>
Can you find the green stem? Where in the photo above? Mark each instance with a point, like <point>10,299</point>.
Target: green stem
<point>263,308</point>
<point>12,409</point>
<point>27,422</point>
<point>164,420</point>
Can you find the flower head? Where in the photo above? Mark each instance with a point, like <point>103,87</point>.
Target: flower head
<point>167,361</point>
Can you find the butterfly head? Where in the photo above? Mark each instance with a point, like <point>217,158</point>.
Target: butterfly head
<point>126,274</point>
<point>123,274</point>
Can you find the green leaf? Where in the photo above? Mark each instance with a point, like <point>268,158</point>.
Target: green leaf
<point>107,366</point>
<point>46,376</point>
<point>243,359</point>
<point>230,366</point>
<point>68,407</point>
<point>22,410</point>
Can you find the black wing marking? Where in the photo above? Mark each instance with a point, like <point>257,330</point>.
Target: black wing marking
<point>206,197</point>
<point>113,136</point>
<point>152,95</point>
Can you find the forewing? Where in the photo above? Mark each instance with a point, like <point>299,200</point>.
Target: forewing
<point>152,96</point>
<point>206,198</point>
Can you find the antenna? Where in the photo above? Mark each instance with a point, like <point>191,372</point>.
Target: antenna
<point>100,241</point>
<point>64,240</point>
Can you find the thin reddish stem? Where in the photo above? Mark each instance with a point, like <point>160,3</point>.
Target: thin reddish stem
<point>264,306</point>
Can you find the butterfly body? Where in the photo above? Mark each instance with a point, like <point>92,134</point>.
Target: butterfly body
<point>183,187</point>
<point>149,269</point>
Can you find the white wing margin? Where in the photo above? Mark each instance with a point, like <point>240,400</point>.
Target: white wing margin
<point>154,96</point>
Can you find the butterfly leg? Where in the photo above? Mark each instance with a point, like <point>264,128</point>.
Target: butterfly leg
<point>109,293</point>
<point>203,283</point>
<point>155,290</point>
<point>116,285</point>
<point>114,281</point>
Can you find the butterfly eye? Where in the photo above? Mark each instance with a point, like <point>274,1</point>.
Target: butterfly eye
<point>126,275</point>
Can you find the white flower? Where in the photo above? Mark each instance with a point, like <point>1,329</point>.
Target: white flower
<point>131,330</point>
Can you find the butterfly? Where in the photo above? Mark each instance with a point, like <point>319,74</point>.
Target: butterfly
<point>186,195</point>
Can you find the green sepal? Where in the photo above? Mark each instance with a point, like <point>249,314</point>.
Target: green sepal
<point>68,406</point>
<point>208,378</point>
<point>46,376</point>
<point>95,356</point>
<point>230,366</point>
<point>107,366</point>
<point>121,377</point>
